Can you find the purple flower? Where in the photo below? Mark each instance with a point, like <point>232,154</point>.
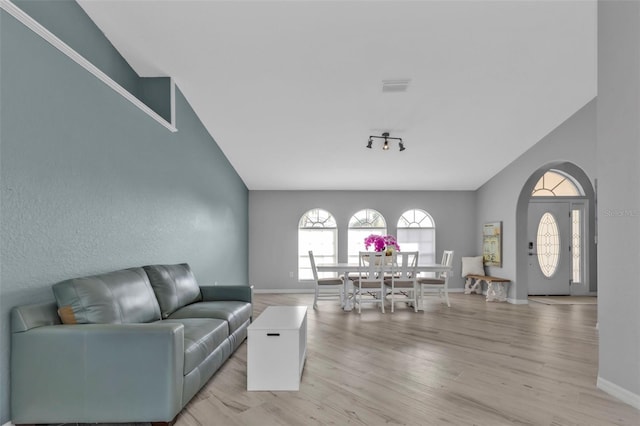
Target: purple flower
<point>381,242</point>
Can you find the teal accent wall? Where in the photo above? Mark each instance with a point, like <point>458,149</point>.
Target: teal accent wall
<point>155,92</point>
<point>69,22</point>
<point>89,184</point>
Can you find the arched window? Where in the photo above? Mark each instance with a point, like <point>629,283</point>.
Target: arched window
<point>417,232</point>
<point>361,225</point>
<point>317,231</point>
<point>554,183</point>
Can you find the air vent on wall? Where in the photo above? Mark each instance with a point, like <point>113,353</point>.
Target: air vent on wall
<point>399,85</point>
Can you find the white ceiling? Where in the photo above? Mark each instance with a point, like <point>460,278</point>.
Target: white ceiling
<point>291,90</point>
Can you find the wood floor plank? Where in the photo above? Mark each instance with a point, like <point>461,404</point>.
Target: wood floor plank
<point>476,363</point>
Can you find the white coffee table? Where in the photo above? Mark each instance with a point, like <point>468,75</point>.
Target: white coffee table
<point>277,349</point>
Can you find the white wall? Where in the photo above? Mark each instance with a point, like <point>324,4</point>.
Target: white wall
<point>574,141</point>
<point>274,217</point>
<point>619,198</point>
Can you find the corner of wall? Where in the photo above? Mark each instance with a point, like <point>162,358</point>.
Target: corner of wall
<point>163,103</point>
<point>616,391</point>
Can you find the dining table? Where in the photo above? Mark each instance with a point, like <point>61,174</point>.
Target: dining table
<point>345,269</point>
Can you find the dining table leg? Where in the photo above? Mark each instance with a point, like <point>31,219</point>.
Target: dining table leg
<point>347,302</point>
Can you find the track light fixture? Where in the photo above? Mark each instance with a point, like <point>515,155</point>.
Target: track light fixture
<point>386,138</point>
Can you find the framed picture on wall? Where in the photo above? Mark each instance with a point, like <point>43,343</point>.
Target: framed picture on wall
<point>492,244</point>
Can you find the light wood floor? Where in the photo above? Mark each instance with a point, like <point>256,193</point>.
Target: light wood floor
<point>476,363</point>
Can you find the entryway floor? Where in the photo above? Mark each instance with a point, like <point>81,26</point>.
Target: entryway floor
<point>565,300</point>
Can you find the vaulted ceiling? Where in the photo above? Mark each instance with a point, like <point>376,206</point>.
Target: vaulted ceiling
<point>292,90</point>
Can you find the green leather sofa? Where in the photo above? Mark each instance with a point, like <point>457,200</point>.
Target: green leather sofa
<point>133,345</point>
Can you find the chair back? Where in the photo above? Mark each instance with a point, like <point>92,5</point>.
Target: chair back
<point>447,260</point>
<point>404,265</point>
<point>313,266</point>
<point>371,266</point>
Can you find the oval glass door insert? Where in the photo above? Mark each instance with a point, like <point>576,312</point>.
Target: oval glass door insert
<point>548,244</point>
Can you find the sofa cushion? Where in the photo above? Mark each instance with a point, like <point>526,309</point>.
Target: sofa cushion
<point>174,286</point>
<point>236,313</point>
<point>201,337</point>
<point>26,317</point>
<point>117,297</point>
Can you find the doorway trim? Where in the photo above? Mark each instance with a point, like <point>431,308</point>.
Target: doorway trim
<point>522,276</point>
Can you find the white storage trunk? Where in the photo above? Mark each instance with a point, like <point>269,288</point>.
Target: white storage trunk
<point>277,349</point>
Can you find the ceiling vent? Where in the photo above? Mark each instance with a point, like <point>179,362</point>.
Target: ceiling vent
<point>389,86</point>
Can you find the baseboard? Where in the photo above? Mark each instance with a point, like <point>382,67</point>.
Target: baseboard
<point>518,301</point>
<point>310,290</point>
<point>616,391</point>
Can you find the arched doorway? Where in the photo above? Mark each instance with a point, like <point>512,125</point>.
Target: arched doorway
<point>555,233</point>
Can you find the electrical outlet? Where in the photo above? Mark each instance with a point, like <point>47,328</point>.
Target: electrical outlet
<point>290,274</point>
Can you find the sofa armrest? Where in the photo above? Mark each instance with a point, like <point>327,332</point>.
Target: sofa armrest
<point>243,293</point>
<point>91,373</point>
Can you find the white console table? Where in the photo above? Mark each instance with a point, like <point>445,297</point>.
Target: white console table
<point>277,349</point>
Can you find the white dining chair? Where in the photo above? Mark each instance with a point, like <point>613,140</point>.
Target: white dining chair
<point>440,282</point>
<point>402,280</point>
<point>325,288</point>
<point>370,279</point>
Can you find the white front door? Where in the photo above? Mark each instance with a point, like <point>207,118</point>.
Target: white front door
<point>549,245</point>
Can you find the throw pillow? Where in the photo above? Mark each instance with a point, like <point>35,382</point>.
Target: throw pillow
<point>66,314</point>
<point>472,266</point>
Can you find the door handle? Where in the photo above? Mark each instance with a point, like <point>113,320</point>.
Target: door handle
<point>532,253</point>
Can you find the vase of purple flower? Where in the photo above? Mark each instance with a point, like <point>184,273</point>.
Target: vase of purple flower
<point>386,243</point>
